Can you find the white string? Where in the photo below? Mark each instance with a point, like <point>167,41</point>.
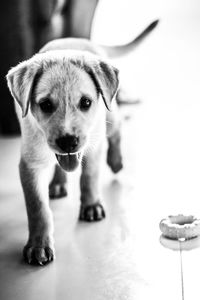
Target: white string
<point>181,263</point>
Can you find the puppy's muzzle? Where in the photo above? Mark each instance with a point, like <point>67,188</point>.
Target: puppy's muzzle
<point>70,157</point>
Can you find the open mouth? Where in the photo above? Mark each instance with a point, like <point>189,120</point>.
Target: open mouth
<point>70,161</point>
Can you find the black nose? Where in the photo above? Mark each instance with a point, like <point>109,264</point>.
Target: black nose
<point>68,143</point>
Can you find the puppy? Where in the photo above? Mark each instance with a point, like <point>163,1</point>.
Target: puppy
<point>63,101</point>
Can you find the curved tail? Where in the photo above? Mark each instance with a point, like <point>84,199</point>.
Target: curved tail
<point>117,51</point>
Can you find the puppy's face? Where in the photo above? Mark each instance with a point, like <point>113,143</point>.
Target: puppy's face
<point>65,103</point>
<point>64,93</point>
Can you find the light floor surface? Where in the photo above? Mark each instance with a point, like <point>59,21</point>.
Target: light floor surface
<point>122,258</point>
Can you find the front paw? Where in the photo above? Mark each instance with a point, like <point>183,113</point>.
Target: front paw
<point>92,213</point>
<point>38,255</point>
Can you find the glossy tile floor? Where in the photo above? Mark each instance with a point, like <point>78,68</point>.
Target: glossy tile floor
<point>121,258</point>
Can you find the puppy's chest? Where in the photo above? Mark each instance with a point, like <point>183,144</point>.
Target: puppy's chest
<point>38,155</point>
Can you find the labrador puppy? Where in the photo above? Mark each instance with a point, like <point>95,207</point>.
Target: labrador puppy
<point>65,103</point>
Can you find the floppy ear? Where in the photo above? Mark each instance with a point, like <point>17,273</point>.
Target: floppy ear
<point>105,77</point>
<point>20,82</point>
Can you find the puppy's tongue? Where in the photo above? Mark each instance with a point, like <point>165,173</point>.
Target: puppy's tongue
<point>68,162</point>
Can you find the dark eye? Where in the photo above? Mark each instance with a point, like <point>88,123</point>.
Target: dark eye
<point>85,103</point>
<point>46,106</point>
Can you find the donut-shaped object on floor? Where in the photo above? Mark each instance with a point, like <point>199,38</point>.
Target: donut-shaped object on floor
<point>180,244</point>
<point>180,227</point>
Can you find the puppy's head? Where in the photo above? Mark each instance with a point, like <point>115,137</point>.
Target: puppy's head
<point>64,92</point>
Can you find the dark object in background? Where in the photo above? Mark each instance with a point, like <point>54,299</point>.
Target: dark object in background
<point>25,26</point>
<point>15,45</point>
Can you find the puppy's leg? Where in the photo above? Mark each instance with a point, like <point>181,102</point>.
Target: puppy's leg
<point>39,248</point>
<point>91,207</point>
<point>114,156</point>
<point>57,187</point>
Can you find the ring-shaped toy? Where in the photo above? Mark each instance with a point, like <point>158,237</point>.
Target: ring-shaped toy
<point>180,227</point>
<point>180,244</point>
